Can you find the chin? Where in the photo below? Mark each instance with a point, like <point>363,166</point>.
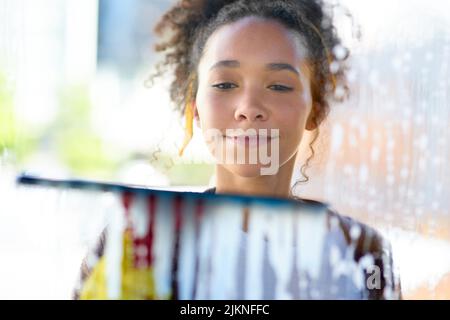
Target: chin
<point>245,170</point>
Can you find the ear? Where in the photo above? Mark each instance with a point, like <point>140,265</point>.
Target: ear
<point>196,115</point>
<point>312,122</point>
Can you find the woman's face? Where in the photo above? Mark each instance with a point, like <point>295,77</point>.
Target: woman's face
<point>253,74</point>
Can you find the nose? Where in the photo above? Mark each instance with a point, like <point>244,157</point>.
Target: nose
<point>251,108</point>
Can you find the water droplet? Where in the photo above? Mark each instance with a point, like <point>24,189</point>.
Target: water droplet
<point>375,154</point>
<point>419,119</point>
<point>363,174</point>
<point>404,173</point>
<point>419,211</point>
<point>397,63</point>
<point>388,105</point>
<point>339,93</point>
<point>334,67</point>
<point>335,255</point>
<point>338,137</point>
<point>407,112</point>
<point>390,144</point>
<point>407,56</point>
<point>371,206</point>
<point>437,161</point>
<point>352,140</point>
<point>405,125</point>
<point>422,142</point>
<point>355,232</point>
<point>315,294</point>
<point>374,78</point>
<point>340,52</point>
<point>435,205</point>
<point>390,180</point>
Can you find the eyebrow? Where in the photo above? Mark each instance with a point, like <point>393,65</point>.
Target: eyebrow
<point>282,66</point>
<point>269,66</point>
<point>226,64</point>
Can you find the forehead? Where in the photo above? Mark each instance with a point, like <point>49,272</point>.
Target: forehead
<point>255,39</point>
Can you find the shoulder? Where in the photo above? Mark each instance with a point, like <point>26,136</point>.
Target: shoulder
<point>370,245</point>
<point>370,249</point>
<point>366,238</point>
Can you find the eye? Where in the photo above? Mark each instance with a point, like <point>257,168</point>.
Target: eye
<point>279,87</point>
<point>225,86</point>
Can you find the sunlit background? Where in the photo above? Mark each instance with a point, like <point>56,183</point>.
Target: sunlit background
<point>75,102</point>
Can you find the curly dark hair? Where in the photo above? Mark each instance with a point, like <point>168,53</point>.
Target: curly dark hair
<point>186,27</point>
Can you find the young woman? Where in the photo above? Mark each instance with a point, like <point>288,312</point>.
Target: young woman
<point>255,75</point>
<point>260,64</point>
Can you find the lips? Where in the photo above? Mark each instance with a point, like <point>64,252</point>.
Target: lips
<point>250,140</point>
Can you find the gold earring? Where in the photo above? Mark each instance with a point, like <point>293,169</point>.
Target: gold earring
<point>189,121</point>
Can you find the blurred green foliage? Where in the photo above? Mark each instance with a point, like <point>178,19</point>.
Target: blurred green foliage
<point>15,139</point>
<point>72,140</point>
<point>180,173</point>
<point>77,144</point>
<point>196,174</point>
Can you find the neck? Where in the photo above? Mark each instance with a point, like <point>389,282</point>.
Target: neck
<point>278,185</point>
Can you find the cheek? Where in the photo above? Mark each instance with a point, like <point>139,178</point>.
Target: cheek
<point>292,114</point>
<point>214,110</point>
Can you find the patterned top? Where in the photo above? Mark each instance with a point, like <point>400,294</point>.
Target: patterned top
<point>369,243</point>
<point>356,263</point>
